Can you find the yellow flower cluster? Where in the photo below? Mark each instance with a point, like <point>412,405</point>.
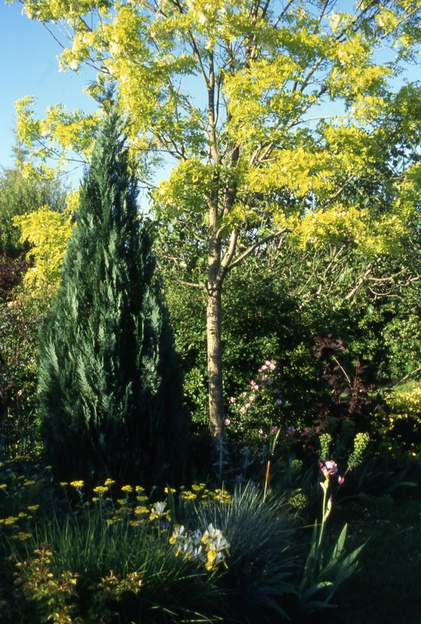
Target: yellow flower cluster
<point>77,484</point>
<point>9,521</point>
<point>16,523</point>
<point>22,536</point>
<point>200,493</point>
<point>100,490</point>
<point>221,496</point>
<point>113,586</point>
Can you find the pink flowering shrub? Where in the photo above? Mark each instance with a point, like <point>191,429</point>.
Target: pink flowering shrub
<point>257,411</point>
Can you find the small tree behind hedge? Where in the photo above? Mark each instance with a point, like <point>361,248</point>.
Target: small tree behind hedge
<point>109,385</point>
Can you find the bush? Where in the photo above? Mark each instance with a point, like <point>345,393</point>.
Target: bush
<point>18,374</point>
<point>400,421</point>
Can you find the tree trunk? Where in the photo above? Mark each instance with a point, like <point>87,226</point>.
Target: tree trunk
<point>213,333</point>
<point>213,325</point>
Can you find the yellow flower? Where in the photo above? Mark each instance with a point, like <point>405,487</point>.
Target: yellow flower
<point>189,496</point>
<point>33,507</point>
<point>197,487</point>
<point>10,520</point>
<point>111,521</point>
<point>135,523</point>
<point>121,501</point>
<point>77,484</point>
<point>100,489</point>
<point>169,490</point>
<point>141,510</point>
<point>109,482</point>
<point>22,515</point>
<point>211,557</point>
<point>221,496</point>
<point>141,499</point>
<point>95,499</point>
<point>122,510</point>
<point>3,486</point>
<point>127,488</point>
<point>139,488</point>
<point>22,536</point>
<point>159,511</point>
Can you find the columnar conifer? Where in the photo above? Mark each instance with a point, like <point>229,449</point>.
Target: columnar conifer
<point>108,383</point>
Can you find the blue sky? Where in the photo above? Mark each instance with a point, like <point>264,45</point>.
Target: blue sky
<point>28,66</point>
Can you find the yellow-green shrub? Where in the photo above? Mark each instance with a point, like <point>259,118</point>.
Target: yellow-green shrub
<point>47,231</point>
<point>402,421</point>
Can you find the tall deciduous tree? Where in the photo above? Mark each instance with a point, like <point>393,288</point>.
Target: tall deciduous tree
<point>265,108</point>
<point>108,382</point>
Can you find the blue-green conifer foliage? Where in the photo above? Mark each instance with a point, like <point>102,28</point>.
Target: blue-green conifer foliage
<point>109,386</point>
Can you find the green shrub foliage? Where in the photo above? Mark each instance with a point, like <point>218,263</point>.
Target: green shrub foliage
<point>109,386</point>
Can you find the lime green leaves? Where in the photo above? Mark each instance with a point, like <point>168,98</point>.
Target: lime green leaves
<point>47,231</point>
<point>57,133</point>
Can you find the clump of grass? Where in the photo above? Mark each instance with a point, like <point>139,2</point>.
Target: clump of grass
<point>263,553</point>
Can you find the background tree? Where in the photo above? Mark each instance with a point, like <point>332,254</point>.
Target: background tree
<point>20,195</point>
<point>46,232</point>
<point>267,109</point>
<point>108,383</point>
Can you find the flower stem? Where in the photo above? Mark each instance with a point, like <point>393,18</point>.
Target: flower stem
<point>267,476</point>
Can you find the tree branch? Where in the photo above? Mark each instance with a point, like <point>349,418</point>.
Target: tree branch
<point>229,254</point>
<point>255,246</point>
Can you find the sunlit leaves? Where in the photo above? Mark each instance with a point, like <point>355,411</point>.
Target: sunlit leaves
<point>27,127</point>
<point>235,91</point>
<point>47,231</point>
<point>58,132</point>
<point>187,188</point>
<point>48,10</point>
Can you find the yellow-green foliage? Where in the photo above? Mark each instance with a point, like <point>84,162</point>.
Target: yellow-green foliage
<point>58,131</point>
<point>47,232</point>
<point>350,225</point>
<point>405,401</point>
<point>404,411</point>
<point>235,94</point>
<point>39,585</point>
